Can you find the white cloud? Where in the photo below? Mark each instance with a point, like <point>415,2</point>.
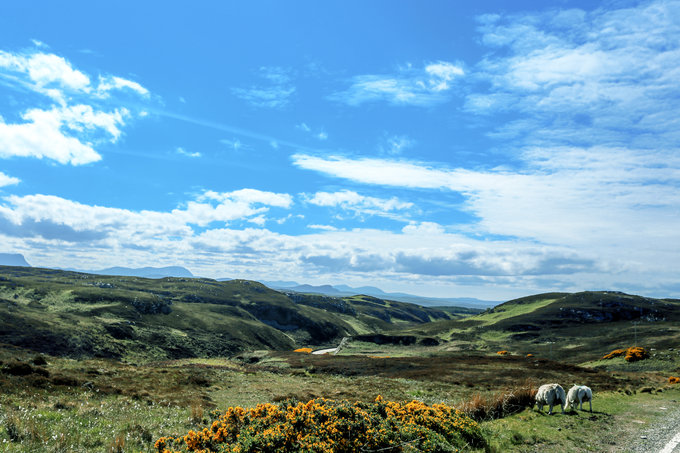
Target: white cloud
<point>41,136</point>
<point>322,227</point>
<point>410,86</point>
<point>109,83</point>
<point>359,204</point>
<point>234,144</point>
<point>47,73</point>
<point>66,233</point>
<point>379,171</point>
<point>603,77</point>
<point>275,97</point>
<point>320,135</point>
<point>588,198</point>
<point>441,74</point>
<point>184,152</point>
<point>276,94</point>
<point>77,121</point>
<point>251,196</point>
<point>34,213</point>
<point>8,180</point>
<point>395,144</point>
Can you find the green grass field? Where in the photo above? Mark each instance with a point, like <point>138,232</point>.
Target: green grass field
<point>110,364</point>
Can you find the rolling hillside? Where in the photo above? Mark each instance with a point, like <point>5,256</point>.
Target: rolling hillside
<point>578,327</point>
<point>85,315</point>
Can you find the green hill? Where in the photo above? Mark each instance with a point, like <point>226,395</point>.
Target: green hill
<point>580,327</point>
<point>84,315</point>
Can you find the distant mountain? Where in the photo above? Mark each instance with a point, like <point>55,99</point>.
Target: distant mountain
<point>13,259</point>
<point>146,272</point>
<point>327,290</point>
<point>344,290</point>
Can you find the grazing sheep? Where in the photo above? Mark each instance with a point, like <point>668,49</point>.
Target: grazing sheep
<point>579,394</point>
<point>552,395</point>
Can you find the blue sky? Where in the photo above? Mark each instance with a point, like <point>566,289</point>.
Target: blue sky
<point>492,150</point>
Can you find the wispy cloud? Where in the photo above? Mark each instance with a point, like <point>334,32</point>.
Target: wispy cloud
<point>111,83</point>
<point>274,142</point>
<point>424,86</point>
<point>584,201</point>
<point>395,144</point>
<point>184,152</point>
<point>319,134</point>
<point>275,94</point>
<point>360,205</point>
<point>601,77</point>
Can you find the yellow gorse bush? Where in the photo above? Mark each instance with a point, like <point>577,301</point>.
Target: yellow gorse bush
<point>332,426</point>
<point>674,380</point>
<point>503,352</point>
<point>304,350</point>
<point>632,354</point>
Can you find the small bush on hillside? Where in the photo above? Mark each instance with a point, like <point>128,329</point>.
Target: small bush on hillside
<point>335,426</point>
<point>614,353</point>
<point>631,354</point>
<point>304,350</point>
<point>482,408</point>
<point>502,352</point>
<point>674,380</point>
<point>636,353</point>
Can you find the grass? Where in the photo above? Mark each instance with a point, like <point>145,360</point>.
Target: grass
<point>102,405</point>
<point>506,311</point>
<point>136,359</point>
<point>615,423</point>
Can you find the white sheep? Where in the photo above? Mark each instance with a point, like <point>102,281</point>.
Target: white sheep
<point>579,394</point>
<point>552,395</point>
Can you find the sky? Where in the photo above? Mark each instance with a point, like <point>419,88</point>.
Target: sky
<point>485,149</point>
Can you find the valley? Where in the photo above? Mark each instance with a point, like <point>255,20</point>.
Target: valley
<point>110,363</point>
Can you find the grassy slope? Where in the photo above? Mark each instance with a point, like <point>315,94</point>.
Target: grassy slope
<point>613,426</point>
<point>103,405</point>
<point>99,405</point>
<point>83,315</point>
<point>579,327</point>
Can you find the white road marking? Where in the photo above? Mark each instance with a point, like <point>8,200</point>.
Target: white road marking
<point>670,446</point>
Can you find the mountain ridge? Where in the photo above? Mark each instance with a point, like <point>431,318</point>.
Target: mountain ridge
<point>13,259</point>
<point>345,290</point>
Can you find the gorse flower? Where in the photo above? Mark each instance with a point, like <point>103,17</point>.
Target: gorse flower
<point>632,354</point>
<point>332,426</point>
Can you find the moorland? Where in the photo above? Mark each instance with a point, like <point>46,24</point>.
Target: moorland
<point>110,363</point>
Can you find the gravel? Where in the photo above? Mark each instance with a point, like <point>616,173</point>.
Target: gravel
<point>653,439</point>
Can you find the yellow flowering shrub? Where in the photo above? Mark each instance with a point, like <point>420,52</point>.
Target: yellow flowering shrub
<point>504,352</point>
<point>304,350</point>
<point>630,354</point>
<point>636,353</point>
<point>674,380</point>
<point>332,426</point>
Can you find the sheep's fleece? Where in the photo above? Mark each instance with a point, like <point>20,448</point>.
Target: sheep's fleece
<point>552,395</point>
